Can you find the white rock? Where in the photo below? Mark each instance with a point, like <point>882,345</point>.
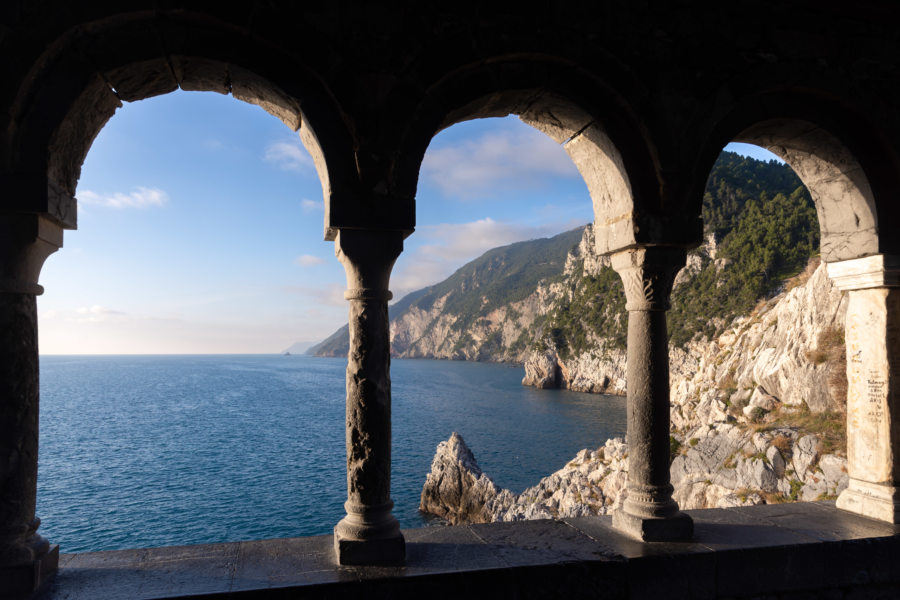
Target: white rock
<point>805,452</point>
<point>776,460</point>
<point>833,467</point>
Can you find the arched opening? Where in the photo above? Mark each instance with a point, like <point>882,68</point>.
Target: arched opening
<point>198,260</point>
<point>508,201</point>
<point>630,213</point>
<point>757,332</point>
<point>836,181</point>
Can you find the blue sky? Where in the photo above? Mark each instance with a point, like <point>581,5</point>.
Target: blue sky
<point>200,228</point>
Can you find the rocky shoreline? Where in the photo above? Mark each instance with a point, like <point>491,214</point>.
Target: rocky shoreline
<point>727,466</point>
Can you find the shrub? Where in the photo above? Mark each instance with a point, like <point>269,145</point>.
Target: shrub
<point>796,487</point>
<point>674,448</point>
<point>758,414</point>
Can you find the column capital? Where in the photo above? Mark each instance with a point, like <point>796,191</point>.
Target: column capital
<point>26,240</point>
<point>875,271</point>
<point>648,274</point>
<point>368,257</point>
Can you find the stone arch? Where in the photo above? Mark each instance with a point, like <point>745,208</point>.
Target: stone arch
<point>844,200</point>
<point>84,77</point>
<point>606,138</point>
<point>844,165</point>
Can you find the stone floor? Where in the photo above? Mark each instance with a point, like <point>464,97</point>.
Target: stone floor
<point>783,551</point>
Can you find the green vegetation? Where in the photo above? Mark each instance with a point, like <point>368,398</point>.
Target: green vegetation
<point>674,448</point>
<point>765,227</point>
<point>829,426</point>
<point>498,277</point>
<point>594,309</point>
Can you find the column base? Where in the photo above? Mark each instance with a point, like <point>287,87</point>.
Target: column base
<point>873,500</point>
<point>369,535</point>
<point>388,551</point>
<point>21,581</point>
<point>676,528</point>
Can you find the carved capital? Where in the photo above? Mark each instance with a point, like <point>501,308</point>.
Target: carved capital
<point>368,257</point>
<point>26,240</point>
<point>876,271</point>
<point>648,274</point>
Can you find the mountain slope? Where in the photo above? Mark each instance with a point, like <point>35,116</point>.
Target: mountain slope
<point>555,306</point>
<point>451,318</point>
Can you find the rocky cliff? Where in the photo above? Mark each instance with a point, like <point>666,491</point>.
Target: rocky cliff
<point>557,307</point>
<point>757,416</point>
<point>729,466</point>
<point>487,310</point>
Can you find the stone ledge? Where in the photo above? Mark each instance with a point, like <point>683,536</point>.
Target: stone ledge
<point>737,552</point>
<point>878,270</point>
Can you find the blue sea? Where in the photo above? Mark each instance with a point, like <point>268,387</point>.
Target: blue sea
<point>142,451</point>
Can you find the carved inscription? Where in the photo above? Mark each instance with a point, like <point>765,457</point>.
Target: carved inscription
<point>876,388</point>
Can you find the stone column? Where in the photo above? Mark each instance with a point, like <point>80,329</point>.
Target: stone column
<point>872,336</point>
<point>649,512</point>
<point>369,534</point>
<point>26,558</point>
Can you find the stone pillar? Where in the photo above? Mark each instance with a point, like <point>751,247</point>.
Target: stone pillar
<point>872,336</point>
<point>369,534</point>
<point>649,512</point>
<point>26,558</point>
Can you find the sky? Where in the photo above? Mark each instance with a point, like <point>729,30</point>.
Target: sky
<point>200,227</point>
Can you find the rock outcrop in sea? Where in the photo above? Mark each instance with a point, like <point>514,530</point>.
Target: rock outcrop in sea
<point>456,489</point>
<point>725,466</point>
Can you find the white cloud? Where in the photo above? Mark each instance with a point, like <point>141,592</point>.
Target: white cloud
<point>448,246</point>
<point>289,155</point>
<point>311,206</point>
<point>308,260</point>
<point>141,197</point>
<point>514,160</point>
<point>97,314</point>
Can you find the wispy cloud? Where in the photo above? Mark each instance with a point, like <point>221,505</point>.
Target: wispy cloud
<point>448,246</point>
<point>330,294</point>
<point>512,160</point>
<point>141,197</point>
<point>97,313</point>
<point>311,206</point>
<point>213,144</point>
<point>289,155</point>
<point>308,260</point>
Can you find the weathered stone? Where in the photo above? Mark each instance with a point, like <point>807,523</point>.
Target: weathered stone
<point>776,460</point>
<point>805,454</point>
<point>542,371</point>
<point>456,489</point>
<point>649,512</point>
<point>640,97</point>
<point>26,558</point>
<point>756,474</point>
<point>873,396</point>
<point>763,400</point>
<point>369,534</point>
<point>834,468</point>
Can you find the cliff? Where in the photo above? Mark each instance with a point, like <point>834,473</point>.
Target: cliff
<point>757,416</point>
<point>558,308</point>
<point>730,466</point>
<point>487,310</point>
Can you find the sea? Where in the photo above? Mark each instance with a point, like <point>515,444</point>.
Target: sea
<point>144,451</point>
